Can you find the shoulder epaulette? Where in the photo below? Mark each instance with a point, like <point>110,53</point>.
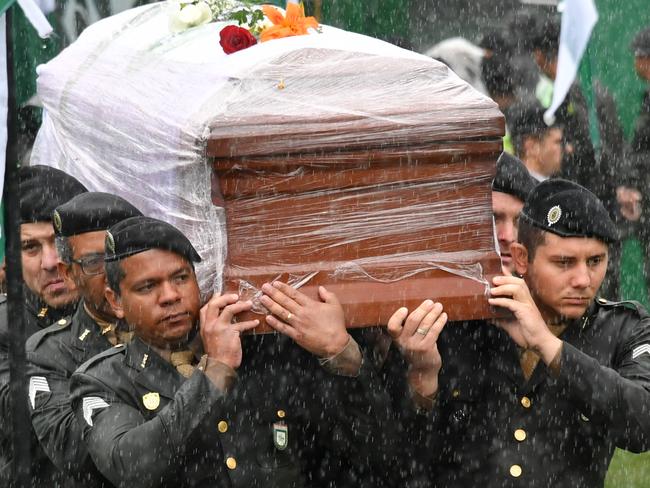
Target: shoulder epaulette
<point>60,325</point>
<point>119,349</point>
<point>628,304</point>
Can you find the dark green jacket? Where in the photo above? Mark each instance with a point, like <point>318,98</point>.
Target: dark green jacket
<point>175,441</point>
<point>53,354</point>
<point>571,423</point>
<point>36,316</point>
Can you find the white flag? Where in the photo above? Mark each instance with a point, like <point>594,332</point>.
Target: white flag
<point>578,20</point>
<point>34,14</point>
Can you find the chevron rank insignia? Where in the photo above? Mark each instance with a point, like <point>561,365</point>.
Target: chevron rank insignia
<point>639,350</point>
<point>36,384</point>
<point>89,405</point>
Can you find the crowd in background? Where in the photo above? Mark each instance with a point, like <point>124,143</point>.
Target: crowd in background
<point>519,75</point>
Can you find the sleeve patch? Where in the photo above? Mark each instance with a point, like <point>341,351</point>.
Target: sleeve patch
<point>89,405</point>
<point>639,350</point>
<point>36,384</point>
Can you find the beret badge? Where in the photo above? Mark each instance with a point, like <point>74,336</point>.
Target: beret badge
<point>554,215</point>
<point>110,243</point>
<point>56,220</point>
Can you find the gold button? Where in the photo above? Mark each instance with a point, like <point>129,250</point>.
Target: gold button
<point>455,393</point>
<point>231,463</point>
<point>515,471</point>
<point>62,322</point>
<point>282,414</point>
<point>520,435</point>
<point>222,426</point>
<point>525,402</point>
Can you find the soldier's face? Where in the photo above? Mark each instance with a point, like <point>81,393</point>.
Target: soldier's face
<point>551,150</point>
<point>565,275</point>
<point>506,209</point>
<point>88,246</point>
<point>39,261</point>
<point>159,297</point>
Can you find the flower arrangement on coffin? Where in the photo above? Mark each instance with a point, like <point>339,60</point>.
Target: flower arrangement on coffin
<point>266,24</point>
<point>254,23</point>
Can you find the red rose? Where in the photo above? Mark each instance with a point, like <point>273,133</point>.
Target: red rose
<point>235,38</point>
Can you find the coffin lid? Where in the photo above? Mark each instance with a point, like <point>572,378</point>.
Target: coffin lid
<point>315,98</point>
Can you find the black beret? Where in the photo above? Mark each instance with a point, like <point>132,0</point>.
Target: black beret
<point>568,210</point>
<point>91,211</point>
<point>42,189</point>
<point>546,35</point>
<point>526,118</point>
<point>641,43</point>
<point>138,234</point>
<point>512,177</point>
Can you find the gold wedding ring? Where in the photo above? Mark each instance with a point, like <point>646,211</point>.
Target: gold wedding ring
<point>289,316</point>
<point>422,330</point>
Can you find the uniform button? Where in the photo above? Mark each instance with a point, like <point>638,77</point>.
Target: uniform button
<point>222,426</point>
<point>62,322</point>
<point>515,471</point>
<point>520,435</point>
<point>455,393</point>
<point>584,418</point>
<point>282,414</point>
<point>525,402</point>
<point>231,463</point>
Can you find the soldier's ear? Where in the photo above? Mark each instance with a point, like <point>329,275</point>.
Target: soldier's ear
<point>519,255</point>
<point>114,301</point>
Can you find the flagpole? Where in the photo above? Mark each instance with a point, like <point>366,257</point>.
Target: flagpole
<point>20,422</point>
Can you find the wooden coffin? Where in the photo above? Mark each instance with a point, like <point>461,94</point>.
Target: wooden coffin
<point>386,204</point>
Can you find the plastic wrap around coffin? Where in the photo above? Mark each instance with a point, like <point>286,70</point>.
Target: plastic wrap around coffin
<point>368,175</point>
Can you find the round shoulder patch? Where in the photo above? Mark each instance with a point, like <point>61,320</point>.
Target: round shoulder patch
<point>554,215</point>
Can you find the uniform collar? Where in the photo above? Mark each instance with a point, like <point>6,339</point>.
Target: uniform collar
<point>153,372</point>
<point>43,314</point>
<point>86,333</point>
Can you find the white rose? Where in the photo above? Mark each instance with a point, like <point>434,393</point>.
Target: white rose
<point>190,15</point>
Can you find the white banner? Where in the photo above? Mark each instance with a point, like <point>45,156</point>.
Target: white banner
<point>578,20</point>
<point>37,18</point>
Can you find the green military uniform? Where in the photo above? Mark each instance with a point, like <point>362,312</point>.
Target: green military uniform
<point>36,316</point>
<point>148,425</point>
<point>280,421</point>
<point>492,427</point>
<point>53,354</point>
<point>500,422</point>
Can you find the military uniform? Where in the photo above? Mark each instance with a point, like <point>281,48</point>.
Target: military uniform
<point>280,421</point>
<point>53,354</point>
<point>36,316</point>
<point>152,427</point>
<point>523,423</point>
<point>495,428</point>
<point>42,188</point>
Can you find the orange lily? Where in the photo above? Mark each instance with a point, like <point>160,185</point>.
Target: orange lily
<point>293,23</point>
